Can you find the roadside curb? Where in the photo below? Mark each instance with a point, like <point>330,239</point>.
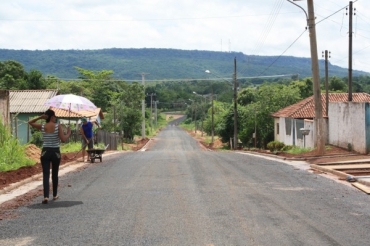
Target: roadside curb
<point>340,174</point>
<point>38,176</point>
<point>144,147</point>
<point>329,170</point>
<point>268,155</point>
<point>318,167</point>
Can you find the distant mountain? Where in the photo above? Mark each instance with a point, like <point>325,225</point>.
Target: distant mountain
<point>161,64</point>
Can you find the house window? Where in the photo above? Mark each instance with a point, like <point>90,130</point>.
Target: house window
<point>277,128</point>
<point>299,125</point>
<point>288,126</point>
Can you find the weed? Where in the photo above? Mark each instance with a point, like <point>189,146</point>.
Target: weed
<point>12,153</point>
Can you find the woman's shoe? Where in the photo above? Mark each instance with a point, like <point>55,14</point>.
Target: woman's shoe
<point>55,197</point>
<point>45,201</point>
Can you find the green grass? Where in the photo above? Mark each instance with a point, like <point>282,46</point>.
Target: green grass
<point>297,150</point>
<point>12,153</point>
<point>74,147</point>
<point>187,126</point>
<point>70,147</point>
<point>161,122</point>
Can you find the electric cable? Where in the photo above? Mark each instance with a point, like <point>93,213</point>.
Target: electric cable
<point>277,58</point>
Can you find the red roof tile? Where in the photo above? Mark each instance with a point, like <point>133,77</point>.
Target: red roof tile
<point>305,109</point>
<point>64,113</point>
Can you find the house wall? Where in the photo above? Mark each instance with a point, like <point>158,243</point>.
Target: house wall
<point>4,106</point>
<point>290,134</point>
<point>349,125</point>
<point>285,130</point>
<point>367,127</point>
<point>276,130</point>
<point>309,139</point>
<point>20,127</point>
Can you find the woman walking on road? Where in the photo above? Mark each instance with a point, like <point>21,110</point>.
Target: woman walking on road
<point>52,135</point>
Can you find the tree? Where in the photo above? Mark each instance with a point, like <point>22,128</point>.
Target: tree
<point>269,99</point>
<point>247,96</point>
<point>127,105</point>
<point>305,87</point>
<point>12,75</point>
<point>98,86</point>
<point>337,85</point>
<point>225,128</point>
<point>35,80</point>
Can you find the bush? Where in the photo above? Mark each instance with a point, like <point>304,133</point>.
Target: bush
<point>36,138</point>
<point>275,146</point>
<point>12,153</point>
<point>287,148</point>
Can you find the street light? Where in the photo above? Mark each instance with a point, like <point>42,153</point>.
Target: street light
<point>235,142</point>
<point>318,120</point>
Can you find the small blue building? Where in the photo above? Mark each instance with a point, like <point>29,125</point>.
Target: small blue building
<point>24,105</point>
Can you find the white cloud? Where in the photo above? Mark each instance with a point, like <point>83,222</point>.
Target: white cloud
<point>264,27</point>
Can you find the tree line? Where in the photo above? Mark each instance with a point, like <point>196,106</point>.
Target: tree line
<point>163,63</point>
<point>121,100</point>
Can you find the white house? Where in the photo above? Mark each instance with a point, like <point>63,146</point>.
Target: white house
<point>292,122</point>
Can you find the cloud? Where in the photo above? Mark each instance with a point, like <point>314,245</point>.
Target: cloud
<point>266,27</point>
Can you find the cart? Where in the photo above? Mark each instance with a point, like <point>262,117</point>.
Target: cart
<point>96,154</point>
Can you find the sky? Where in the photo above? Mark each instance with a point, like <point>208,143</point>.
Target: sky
<point>258,27</point>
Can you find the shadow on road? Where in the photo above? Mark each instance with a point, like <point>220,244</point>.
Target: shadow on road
<point>56,204</point>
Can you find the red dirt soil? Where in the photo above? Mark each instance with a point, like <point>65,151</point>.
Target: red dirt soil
<point>33,152</point>
<point>7,209</point>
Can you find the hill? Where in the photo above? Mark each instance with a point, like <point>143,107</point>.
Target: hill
<point>128,64</point>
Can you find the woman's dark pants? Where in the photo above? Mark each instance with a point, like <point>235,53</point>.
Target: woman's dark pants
<point>50,155</point>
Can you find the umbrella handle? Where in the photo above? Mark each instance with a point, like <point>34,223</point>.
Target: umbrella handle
<point>69,118</point>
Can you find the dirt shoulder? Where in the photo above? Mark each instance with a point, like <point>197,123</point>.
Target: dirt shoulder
<point>33,152</point>
<point>332,153</point>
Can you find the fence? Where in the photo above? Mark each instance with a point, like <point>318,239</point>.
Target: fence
<point>100,136</point>
<point>107,138</point>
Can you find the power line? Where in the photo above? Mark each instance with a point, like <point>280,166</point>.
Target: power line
<point>281,54</point>
<point>264,34</point>
<point>299,38</point>
<point>139,20</point>
<point>172,80</point>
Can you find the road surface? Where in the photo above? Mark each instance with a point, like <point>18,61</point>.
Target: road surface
<point>177,193</point>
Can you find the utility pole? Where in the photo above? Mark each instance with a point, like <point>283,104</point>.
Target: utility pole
<point>195,119</point>
<point>143,106</point>
<point>156,115</point>
<point>320,140</point>
<point>255,129</point>
<point>151,111</point>
<point>114,118</point>
<point>213,118</point>
<point>318,120</point>
<point>350,51</point>
<point>326,55</point>
<point>235,109</point>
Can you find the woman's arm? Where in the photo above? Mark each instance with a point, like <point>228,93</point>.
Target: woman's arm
<point>36,125</point>
<point>63,137</point>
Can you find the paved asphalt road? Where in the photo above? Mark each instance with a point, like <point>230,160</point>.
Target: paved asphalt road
<point>175,193</point>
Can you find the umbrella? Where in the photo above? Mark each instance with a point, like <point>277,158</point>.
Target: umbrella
<point>70,102</point>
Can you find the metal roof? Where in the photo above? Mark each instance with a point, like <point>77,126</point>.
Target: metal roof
<point>29,101</point>
<point>305,109</point>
